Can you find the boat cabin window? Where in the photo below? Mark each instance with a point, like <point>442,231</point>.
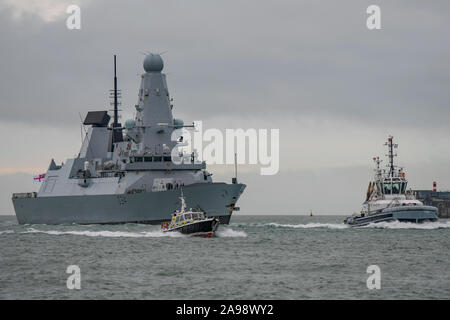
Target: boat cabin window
<point>404,187</point>
<point>157,159</point>
<point>387,188</point>
<point>167,159</point>
<point>169,186</point>
<point>188,216</point>
<point>148,159</point>
<point>396,188</point>
<point>138,159</point>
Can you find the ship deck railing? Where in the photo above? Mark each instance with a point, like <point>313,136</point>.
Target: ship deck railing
<point>99,174</point>
<point>110,174</point>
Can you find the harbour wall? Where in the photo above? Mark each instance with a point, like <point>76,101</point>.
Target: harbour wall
<point>439,199</point>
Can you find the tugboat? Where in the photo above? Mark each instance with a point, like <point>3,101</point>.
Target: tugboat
<point>194,223</point>
<point>387,198</point>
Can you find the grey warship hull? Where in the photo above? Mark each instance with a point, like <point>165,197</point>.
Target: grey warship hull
<point>215,199</point>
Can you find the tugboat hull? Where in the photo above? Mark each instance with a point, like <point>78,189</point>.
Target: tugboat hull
<point>414,214</point>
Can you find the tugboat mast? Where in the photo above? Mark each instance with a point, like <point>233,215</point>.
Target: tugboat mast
<point>378,170</point>
<point>391,155</point>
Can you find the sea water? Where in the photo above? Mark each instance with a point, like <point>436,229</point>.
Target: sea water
<point>255,257</point>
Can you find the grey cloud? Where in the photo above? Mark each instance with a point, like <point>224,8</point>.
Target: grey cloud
<point>293,57</point>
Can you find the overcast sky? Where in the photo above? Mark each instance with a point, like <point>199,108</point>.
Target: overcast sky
<point>312,69</point>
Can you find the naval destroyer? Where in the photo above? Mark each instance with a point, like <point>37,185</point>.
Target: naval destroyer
<point>125,174</point>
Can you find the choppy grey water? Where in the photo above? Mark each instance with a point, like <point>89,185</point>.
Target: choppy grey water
<point>255,257</point>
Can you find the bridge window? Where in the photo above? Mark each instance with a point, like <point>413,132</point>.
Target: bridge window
<point>404,187</point>
<point>167,159</point>
<point>396,188</point>
<point>148,159</point>
<point>387,188</point>
<point>138,159</point>
<point>157,159</point>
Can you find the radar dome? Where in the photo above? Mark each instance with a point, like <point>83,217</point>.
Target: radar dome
<point>130,124</point>
<point>178,123</point>
<point>153,63</point>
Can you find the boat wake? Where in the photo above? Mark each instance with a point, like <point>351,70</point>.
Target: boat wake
<point>379,225</point>
<point>230,233</point>
<point>108,234</point>
<point>410,225</point>
<point>308,225</point>
<point>224,233</point>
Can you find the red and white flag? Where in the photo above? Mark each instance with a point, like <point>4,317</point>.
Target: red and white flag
<point>39,177</point>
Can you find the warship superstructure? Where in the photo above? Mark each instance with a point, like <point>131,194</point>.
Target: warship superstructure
<point>125,174</point>
<point>388,199</point>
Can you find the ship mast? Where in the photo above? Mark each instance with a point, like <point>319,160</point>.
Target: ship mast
<point>378,171</point>
<point>116,122</point>
<point>390,144</point>
<point>116,135</point>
